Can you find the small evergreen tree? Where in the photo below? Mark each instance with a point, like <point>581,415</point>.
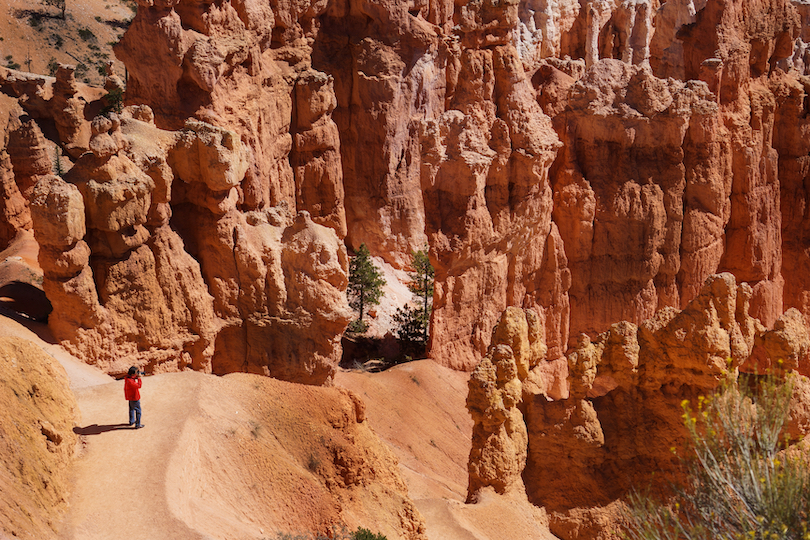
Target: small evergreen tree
<point>58,162</point>
<point>414,322</point>
<point>365,286</point>
<point>115,102</point>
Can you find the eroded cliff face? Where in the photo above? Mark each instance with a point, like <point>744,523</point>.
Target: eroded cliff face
<point>592,161</point>
<point>664,182</point>
<point>580,456</point>
<point>660,181</point>
<point>394,123</point>
<point>126,288</point>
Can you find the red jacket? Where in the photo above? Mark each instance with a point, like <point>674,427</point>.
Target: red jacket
<point>131,385</point>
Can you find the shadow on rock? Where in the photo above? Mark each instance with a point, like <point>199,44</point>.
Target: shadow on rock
<point>26,299</point>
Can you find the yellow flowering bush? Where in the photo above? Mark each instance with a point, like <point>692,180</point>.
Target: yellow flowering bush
<point>745,481</point>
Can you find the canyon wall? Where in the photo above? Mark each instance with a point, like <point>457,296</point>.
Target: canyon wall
<point>572,163</point>
<point>618,428</point>
<point>592,161</point>
<point>240,291</point>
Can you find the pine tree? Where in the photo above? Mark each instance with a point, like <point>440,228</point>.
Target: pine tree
<point>414,322</point>
<point>58,162</point>
<point>115,102</point>
<point>365,286</point>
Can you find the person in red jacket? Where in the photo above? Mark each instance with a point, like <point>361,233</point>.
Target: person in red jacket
<point>132,393</point>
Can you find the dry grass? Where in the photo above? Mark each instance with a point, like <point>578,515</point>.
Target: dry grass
<point>745,481</point>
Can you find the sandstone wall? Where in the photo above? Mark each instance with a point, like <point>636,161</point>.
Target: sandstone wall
<point>257,295</point>
<point>579,456</point>
<point>357,112</point>
<point>590,160</point>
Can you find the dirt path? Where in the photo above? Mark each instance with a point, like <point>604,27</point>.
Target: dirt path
<point>148,484</point>
<point>419,410</point>
<point>120,489</point>
<point>120,478</point>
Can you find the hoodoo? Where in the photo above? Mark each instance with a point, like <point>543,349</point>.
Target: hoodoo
<point>613,194</point>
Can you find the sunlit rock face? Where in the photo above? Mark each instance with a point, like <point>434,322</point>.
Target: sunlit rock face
<point>591,161</point>
<point>236,292</point>
<point>579,453</point>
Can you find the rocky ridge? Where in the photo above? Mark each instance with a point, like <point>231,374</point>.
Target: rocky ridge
<point>592,161</point>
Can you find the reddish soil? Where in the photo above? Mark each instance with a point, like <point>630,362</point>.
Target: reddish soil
<point>32,35</point>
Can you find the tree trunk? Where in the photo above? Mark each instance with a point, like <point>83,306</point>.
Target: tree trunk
<point>425,305</point>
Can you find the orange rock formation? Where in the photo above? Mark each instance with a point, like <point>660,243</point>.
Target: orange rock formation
<point>116,269</point>
<point>590,161</point>
<point>615,429</point>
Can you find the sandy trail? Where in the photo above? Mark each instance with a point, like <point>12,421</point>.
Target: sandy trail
<point>123,478</point>
<point>419,410</point>
<point>81,375</point>
<point>120,489</point>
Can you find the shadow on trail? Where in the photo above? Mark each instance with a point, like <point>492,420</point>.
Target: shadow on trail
<point>95,429</point>
<point>40,329</point>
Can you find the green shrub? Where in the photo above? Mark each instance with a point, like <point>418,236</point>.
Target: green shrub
<point>744,482</point>
<point>357,327</point>
<point>365,534</point>
<point>412,324</point>
<point>336,534</point>
<point>53,65</point>
<point>86,34</point>
<point>10,63</point>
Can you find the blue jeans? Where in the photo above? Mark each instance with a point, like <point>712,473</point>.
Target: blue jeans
<point>135,413</point>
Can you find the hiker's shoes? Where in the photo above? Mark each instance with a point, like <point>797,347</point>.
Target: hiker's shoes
<point>138,426</point>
